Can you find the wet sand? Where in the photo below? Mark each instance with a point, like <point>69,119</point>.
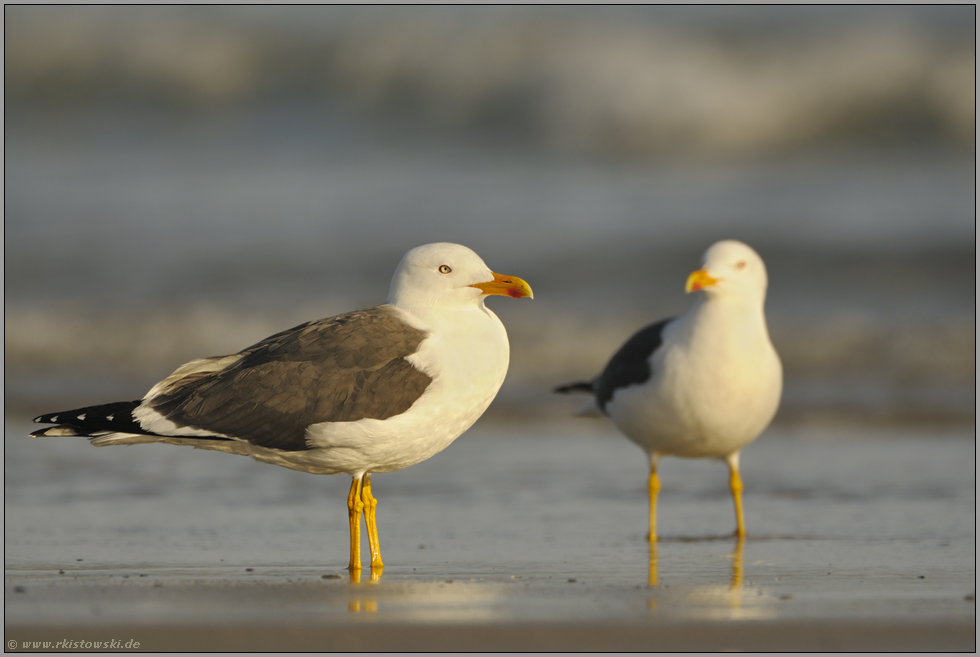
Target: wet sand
<point>370,635</point>
<point>515,538</point>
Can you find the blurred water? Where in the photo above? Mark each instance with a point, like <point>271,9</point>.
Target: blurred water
<point>183,182</point>
<point>135,241</point>
<point>274,208</point>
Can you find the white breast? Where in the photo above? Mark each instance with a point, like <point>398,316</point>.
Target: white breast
<point>716,385</point>
<point>466,355</point>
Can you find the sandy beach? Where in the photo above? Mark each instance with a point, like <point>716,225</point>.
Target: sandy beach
<point>371,636</point>
<point>494,545</point>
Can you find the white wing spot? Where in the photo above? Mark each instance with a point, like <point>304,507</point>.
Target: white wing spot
<point>109,417</point>
<point>82,416</point>
<point>54,419</point>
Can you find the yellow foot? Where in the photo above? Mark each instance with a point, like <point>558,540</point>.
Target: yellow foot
<point>355,575</point>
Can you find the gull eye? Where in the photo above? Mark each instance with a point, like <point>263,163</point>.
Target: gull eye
<point>445,269</point>
<point>740,264</point>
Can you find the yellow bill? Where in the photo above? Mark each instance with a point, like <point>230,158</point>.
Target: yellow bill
<point>699,279</point>
<point>510,286</point>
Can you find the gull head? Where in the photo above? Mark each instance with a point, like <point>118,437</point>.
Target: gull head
<point>730,269</point>
<point>442,274</point>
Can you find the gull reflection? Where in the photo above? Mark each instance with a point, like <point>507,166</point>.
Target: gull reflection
<point>652,580</point>
<point>366,604</point>
<point>427,600</point>
<point>737,556</point>
<point>722,601</point>
<point>357,606</point>
<point>738,564</point>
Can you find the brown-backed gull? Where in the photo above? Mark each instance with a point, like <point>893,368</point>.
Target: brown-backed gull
<point>702,385</point>
<point>369,391</point>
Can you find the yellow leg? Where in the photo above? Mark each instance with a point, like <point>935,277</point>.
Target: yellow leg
<point>354,507</point>
<point>735,481</point>
<point>653,487</point>
<point>370,504</point>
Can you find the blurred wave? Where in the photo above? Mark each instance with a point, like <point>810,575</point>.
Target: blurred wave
<point>842,367</point>
<point>910,359</point>
<point>619,82</point>
<point>185,181</point>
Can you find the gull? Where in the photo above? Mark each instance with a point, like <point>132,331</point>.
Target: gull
<point>369,391</point>
<point>702,385</point>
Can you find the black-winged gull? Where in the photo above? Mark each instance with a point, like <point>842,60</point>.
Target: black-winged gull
<point>702,385</point>
<point>374,390</point>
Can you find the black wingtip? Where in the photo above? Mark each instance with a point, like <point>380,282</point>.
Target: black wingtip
<point>578,386</point>
<point>117,416</point>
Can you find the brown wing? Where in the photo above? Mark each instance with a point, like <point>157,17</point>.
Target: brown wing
<point>339,369</point>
